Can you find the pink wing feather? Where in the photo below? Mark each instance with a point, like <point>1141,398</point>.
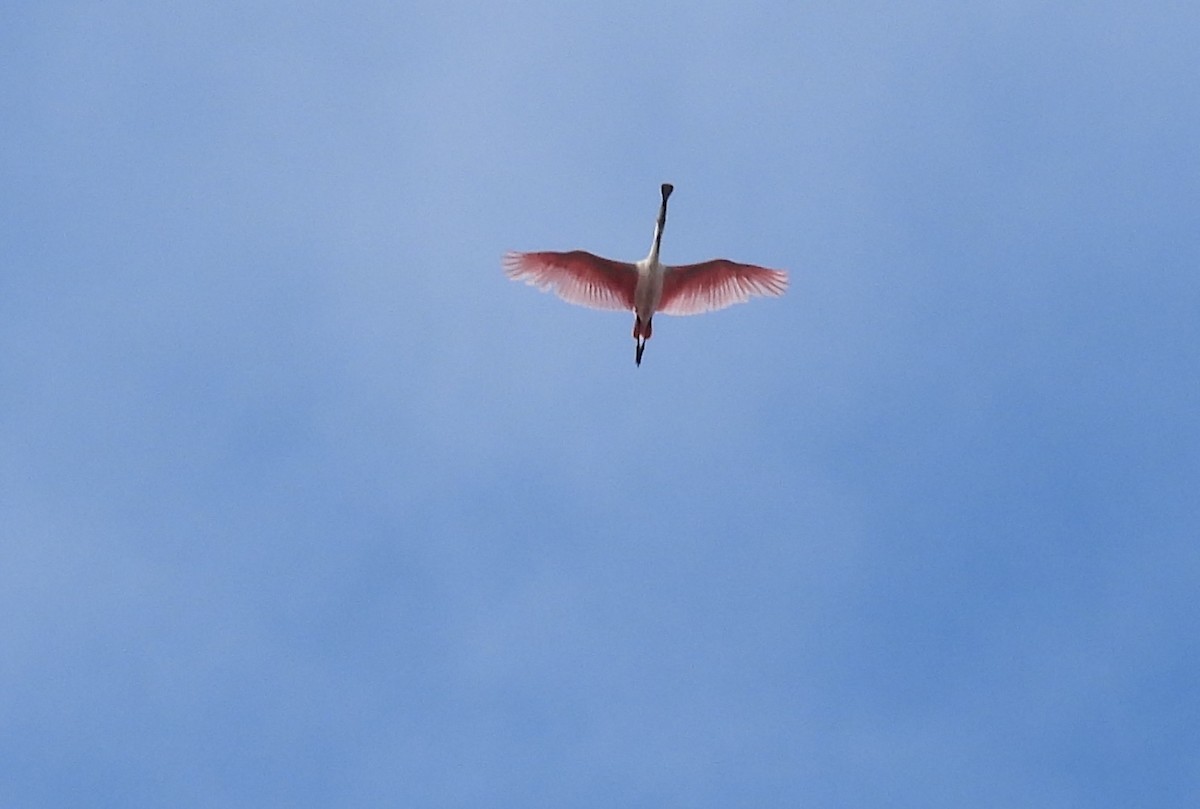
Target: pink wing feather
<point>694,288</point>
<point>577,277</point>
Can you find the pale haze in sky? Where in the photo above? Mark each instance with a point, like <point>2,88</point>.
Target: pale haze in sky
<point>303,503</point>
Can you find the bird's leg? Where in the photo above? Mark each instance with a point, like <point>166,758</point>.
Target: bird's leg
<point>641,332</point>
<point>647,329</point>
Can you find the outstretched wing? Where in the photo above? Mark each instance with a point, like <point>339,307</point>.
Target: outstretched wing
<point>694,288</point>
<point>577,277</point>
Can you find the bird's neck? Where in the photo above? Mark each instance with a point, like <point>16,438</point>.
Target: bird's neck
<point>654,248</point>
<point>658,232</point>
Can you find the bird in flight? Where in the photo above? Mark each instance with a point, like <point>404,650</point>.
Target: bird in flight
<point>647,286</point>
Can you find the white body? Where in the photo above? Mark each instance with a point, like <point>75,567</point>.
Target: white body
<point>648,292</point>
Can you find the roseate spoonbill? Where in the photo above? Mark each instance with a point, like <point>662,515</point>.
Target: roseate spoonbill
<point>648,286</point>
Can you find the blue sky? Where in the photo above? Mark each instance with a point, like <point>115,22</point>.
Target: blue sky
<point>305,504</point>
